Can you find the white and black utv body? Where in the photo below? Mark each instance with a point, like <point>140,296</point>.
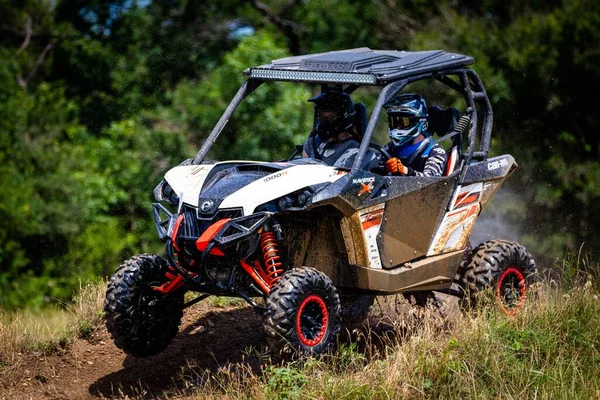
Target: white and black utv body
<point>317,242</point>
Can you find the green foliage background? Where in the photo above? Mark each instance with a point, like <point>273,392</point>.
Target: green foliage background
<point>99,98</point>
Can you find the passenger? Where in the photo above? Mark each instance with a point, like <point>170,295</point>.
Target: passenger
<point>413,151</point>
<point>333,134</point>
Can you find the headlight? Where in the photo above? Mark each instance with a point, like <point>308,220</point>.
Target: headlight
<point>164,192</point>
<point>294,201</point>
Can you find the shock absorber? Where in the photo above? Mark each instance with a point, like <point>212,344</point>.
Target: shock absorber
<point>270,250</point>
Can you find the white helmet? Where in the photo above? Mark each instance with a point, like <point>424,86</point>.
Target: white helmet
<point>407,116</point>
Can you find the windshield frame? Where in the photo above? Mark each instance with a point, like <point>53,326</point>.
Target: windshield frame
<point>469,85</point>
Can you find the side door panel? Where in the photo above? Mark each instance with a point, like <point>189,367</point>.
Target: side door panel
<point>413,212</point>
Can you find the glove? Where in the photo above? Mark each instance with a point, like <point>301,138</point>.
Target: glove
<point>395,166</point>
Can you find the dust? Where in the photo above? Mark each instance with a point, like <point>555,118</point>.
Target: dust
<point>497,220</point>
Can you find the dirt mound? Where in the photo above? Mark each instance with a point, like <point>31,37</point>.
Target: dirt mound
<point>209,338</point>
<point>95,368</point>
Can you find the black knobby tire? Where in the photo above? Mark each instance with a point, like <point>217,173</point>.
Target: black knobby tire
<point>503,266</point>
<point>355,308</point>
<point>302,313</point>
<point>141,321</point>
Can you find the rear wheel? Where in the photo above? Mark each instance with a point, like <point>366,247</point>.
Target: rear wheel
<point>302,313</point>
<point>141,320</point>
<point>506,268</point>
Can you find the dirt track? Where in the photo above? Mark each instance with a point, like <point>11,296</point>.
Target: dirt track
<point>95,368</point>
<point>209,338</point>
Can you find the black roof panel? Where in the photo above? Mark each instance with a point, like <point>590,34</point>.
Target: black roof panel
<point>383,65</point>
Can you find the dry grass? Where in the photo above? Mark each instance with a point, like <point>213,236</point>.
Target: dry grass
<point>550,351</point>
<point>48,331</point>
<point>87,308</point>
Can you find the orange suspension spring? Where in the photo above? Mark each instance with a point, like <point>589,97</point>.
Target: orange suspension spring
<point>268,245</point>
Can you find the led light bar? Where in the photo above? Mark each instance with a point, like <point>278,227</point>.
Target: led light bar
<point>305,76</point>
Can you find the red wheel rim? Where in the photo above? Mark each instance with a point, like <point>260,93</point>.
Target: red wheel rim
<point>510,279</point>
<point>311,321</point>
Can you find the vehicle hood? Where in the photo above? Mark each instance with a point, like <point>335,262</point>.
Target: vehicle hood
<point>244,184</point>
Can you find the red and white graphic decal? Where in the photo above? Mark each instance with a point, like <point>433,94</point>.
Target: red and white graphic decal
<point>459,220</point>
<point>371,219</point>
<point>466,197</point>
<point>464,212</point>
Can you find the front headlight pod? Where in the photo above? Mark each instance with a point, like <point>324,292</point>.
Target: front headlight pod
<point>297,200</point>
<point>164,192</point>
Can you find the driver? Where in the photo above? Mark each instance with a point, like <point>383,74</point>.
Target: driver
<point>413,151</point>
<point>334,133</point>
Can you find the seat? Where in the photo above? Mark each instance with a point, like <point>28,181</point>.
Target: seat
<point>452,155</point>
<point>442,122</point>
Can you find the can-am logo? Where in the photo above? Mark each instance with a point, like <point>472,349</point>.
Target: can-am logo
<point>497,164</point>
<point>275,176</point>
<point>206,206</point>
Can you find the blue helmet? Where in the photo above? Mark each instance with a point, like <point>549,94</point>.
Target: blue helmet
<point>407,116</point>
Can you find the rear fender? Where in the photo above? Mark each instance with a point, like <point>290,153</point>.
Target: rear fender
<point>492,173</point>
<point>481,180</point>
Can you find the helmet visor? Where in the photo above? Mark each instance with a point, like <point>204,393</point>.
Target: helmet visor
<point>404,122</point>
<point>328,116</point>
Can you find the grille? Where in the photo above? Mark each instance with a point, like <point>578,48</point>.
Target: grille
<point>189,229</point>
<point>228,213</point>
<point>232,213</point>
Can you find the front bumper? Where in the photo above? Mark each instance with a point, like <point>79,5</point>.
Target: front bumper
<point>239,234</point>
<point>164,221</point>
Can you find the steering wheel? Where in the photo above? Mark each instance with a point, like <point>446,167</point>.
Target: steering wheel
<point>384,156</point>
<point>383,152</point>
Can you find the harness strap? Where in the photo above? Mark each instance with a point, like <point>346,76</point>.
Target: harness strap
<point>423,150</point>
<point>314,146</point>
<point>448,136</point>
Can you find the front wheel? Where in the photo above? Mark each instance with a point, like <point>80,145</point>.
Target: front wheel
<point>141,321</point>
<point>506,268</point>
<point>302,313</point>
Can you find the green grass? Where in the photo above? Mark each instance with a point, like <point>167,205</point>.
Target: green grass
<point>225,302</point>
<point>22,331</point>
<point>550,351</point>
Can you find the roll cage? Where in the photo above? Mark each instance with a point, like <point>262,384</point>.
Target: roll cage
<point>391,70</point>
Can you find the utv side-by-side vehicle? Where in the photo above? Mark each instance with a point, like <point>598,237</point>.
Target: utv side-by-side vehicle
<point>308,245</point>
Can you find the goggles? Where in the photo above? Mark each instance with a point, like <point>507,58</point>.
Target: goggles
<point>328,116</point>
<point>404,121</point>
